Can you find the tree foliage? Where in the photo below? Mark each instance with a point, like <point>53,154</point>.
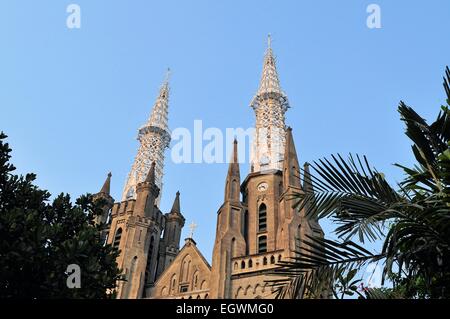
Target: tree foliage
<point>40,238</point>
<point>412,219</point>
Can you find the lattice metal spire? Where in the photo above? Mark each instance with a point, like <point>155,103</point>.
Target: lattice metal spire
<point>154,138</point>
<point>270,105</point>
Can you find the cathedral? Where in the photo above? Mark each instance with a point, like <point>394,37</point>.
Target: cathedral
<point>257,227</point>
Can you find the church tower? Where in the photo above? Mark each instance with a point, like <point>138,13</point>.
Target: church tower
<point>262,229</point>
<point>137,223</point>
<point>136,229</point>
<point>257,223</point>
<point>170,243</point>
<point>230,240</point>
<point>108,201</point>
<point>154,138</point>
<point>270,104</point>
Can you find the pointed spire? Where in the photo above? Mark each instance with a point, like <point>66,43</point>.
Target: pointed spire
<point>154,138</point>
<point>307,181</point>
<point>160,110</point>
<point>291,169</point>
<point>233,168</point>
<point>233,182</point>
<point>151,174</point>
<point>167,78</point>
<point>269,83</point>
<point>107,185</point>
<point>176,205</point>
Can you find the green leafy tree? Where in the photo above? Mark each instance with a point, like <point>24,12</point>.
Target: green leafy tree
<point>39,239</point>
<point>413,220</point>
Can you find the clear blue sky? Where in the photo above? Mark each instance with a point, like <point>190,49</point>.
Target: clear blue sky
<point>71,101</point>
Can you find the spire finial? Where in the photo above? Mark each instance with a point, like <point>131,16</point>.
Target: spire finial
<point>167,78</point>
<point>269,41</point>
<point>176,204</point>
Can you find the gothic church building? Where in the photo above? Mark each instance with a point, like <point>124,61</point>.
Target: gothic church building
<point>256,224</point>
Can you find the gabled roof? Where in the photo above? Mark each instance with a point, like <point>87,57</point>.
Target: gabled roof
<point>189,247</point>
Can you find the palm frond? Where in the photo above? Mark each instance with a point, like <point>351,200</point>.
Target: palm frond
<point>316,265</point>
<point>447,82</point>
<point>356,196</point>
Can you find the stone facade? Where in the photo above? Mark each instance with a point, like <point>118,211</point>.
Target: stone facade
<point>257,226</point>
<point>187,277</point>
<point>135,229</point>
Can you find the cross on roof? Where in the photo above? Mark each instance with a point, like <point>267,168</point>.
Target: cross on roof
<point>192,227</point>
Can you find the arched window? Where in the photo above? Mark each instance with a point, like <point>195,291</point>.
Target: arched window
<point>173,283</point>
<point>188,270</point>
<point>149,260</point>
<point>233,247</point>
<point>243,265</point>
<point>279,257</point>
<point>246,231</point>
<point>234,186</point>
<point>262,244</point>
<point>174,230</point>
<point>185,269</point>
<point>265,261</point>
<point>262,218</point>
<point>272,259</point>
<point>195,280</point>
<point>117,238</point>
<point>250,263</point>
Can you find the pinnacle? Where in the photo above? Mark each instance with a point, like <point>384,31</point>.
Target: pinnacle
<point>107,185</point>
<point>151,174</point>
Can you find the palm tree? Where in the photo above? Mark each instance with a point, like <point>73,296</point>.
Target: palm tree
<point>413,220</point>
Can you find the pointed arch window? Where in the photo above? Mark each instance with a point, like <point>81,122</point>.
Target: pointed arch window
<point>233,247</point>
<point>173,282</point>
<point>246,231</point>
<point>149,260</point>
<point>234,187</point>
<point>262,217</point>
<point>262,244</point>
<point>272,259</point>
<point>117,237</point>
<point>195,281</point>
